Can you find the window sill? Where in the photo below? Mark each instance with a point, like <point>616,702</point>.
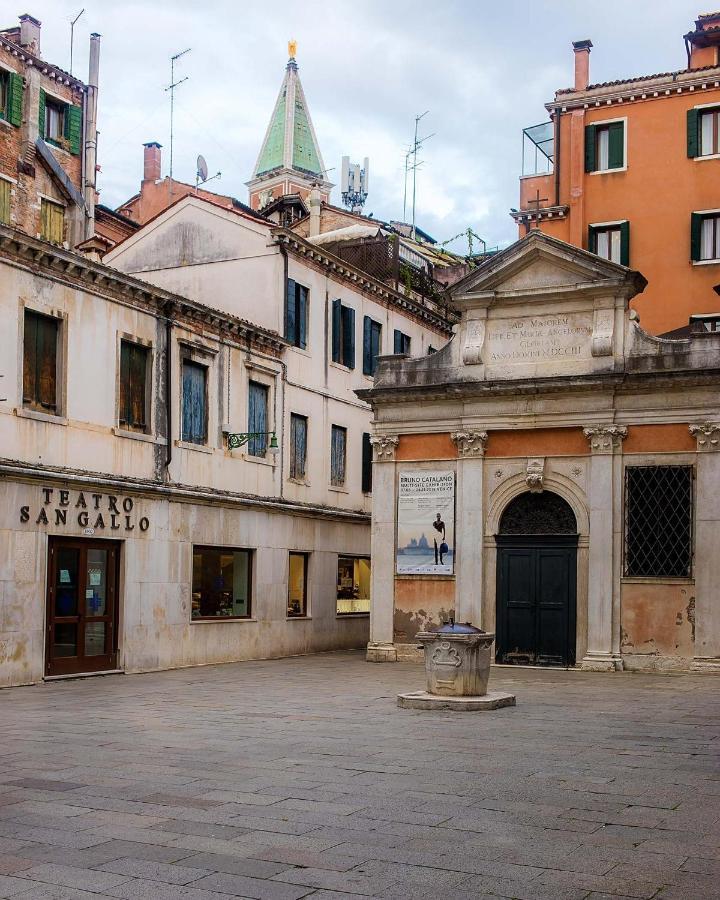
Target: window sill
<point>338,490</point>
<point>659,579</point>
<point>51,418</point>
<point>340,366</point>
<point>299,481</point>
<point>298,618</point>
<point>186,445</point>
<point>55,146</point>
<point>258,460</point>
<point>6,123</point>
<point>135,435</point>
<point>213,620</point>
<point>706,262</point>
<point>706,156</point>
<point>303,351</point>
<point>353,615</point>
<point>608,171</point>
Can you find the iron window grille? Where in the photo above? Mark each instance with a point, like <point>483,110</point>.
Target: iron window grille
<point>658,521</point>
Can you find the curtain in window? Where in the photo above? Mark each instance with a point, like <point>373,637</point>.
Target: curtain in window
<point>194,403</point>
<point>337,456</point>
<point>257,418</point>
<point>298,445</point>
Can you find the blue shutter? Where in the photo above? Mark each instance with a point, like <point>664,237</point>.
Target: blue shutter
<point>367,346</point>
<point>290,324</point>
<point>348,337</point>
<point>194,412</point>
<point>397,341</point>
<point>257,418</point>
<point>298,445</point>
<point>336,330</point>
<point>301,316</point>
<point>376,336</point>
<point>337,456</point>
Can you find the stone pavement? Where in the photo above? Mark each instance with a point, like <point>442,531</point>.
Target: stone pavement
<point>293,778</point>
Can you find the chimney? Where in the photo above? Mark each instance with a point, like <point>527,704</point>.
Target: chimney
<point>30,34</point>
<point>90,148</point>
<point>582,64</point>
<point>152,161</point>
<point>314,202</point>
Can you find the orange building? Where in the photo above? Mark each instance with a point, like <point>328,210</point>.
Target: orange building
<point>632,173</point>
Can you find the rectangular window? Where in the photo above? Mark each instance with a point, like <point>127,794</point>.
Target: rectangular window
<point>4,201</point>
<point>54,130</point>
<point>658,521</point>
<point>612,242</point>
<point>372,338</point>
<point>4,94</point>
<point>604,147</point>
<point>221,583</point>
<point>707,125</point>
<point>40,343</point>
<point>297,584</point>
<point>353,585</point>
<point>338,441</point>
<point>401,342</point>
<point>296,314</point>
<point>343,334</point>
<point>705,236</point>
<point>134,370</point>
<point>366,464</point>
<point>194,402</point>
<point>52,221</point>
<point>257,418</point>
<point>298,445</point>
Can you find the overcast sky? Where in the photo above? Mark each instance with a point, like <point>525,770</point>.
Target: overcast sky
<point>483,70</point>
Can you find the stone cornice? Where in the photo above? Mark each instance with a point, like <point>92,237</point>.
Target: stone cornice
<point>55,72</point>
<point>52,261</point>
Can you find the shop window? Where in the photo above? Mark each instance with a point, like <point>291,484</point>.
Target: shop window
<point>401,342</point>
<point>353,585</point>
<point>134,369</point>
<point>343,334</point>
<point>194,402</point>
<point>52,221</point>
<point>658,521</point>
<point>4,201</point>
<point>221,583</point>
<point>611,242</point>
<point>297,584</point>
<point>366,464</point>
<point>703,132</point>
<point>705,236</point>
<point>338,452</point>
<point>296,314</point>
<point>372,343</point>
<point>605,147</point>
<point>40,356</point>
<point>298,445</point>
<point>257,418</point>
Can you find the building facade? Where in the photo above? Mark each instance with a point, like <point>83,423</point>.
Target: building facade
<point>551,475</point>
<point>630,169</point>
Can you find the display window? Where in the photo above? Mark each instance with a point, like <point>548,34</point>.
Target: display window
<point>353,585</point>
<point>221,583</point>
<point>297,585</point>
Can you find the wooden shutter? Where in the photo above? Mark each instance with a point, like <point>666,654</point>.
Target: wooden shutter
<point>590,135</point>
<point>257,418</point>
<point>696,221</point>
<point>397,341</point>
<point>298,445</point>
<point>693,133</point>
<point>4,201</point>
<point>30,359</point>
<point>41,112</point>
<point>40,362</point>
<point>616,145</point>
<point>194,402</point>
<point>375,338</point>
<point>624,243</point>
<point>73,128</point>
<point>367,346</point>
<point>124,411</point>
<point>52,221</point>
<point>337,455</point>
<point>15,99</point>
<point>290,324</point>
<point>592,239</point>
<point>301,294</point>
<point>138,381</point>
<point>336,330</point>
<point>366,464</point>
<point>348,337</point>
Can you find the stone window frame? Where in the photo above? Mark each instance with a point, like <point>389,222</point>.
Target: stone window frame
<point>150,406</point>
<point>59,417</point>
<point>203,355</point>
<point>262,374</point>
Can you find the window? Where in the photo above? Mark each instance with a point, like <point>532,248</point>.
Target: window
<point>612,242</point>
<point>221,582</point>
<point>4,93</point>
<point>705,236</point>
<point>54,120</point>
<point>366,464</point>
<point>60,123</point>
<point>194,402</point>
<point>338,441</point>
<point>257,418</point>
<point>296,311</point>
<point>343,334</point>
<point>401,342</point>
<point>40,344</point>
<point>372,335</point>
<point>298,445</point>
<point>703,132</point>
<point>11,97</point>
<point>604,147</point>
<point>658,521</point>
<point>353,585</point>
<point>133,386</point>
<point>4,201</point>
<point>297,584</point>
<point>52,221</point>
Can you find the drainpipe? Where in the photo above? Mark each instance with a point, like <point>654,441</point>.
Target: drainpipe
<point>556,155</point>
<point>90,129</point>
<point>168,385</point>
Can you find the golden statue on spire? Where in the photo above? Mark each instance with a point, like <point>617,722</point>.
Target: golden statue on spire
<point>292,48</point>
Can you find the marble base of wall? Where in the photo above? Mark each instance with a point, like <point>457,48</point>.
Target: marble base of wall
<point>706,665</point>
<point>381,652</point>
<point>601,662</point>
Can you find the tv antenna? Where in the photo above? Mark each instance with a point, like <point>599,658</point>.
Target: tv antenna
<point>412,152</point>
<point>354,183</point>
<point>201,175</point>
<point>72,36</point>
<point>171,87</point>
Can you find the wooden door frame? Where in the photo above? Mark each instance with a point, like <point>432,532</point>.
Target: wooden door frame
<point>69,665</point>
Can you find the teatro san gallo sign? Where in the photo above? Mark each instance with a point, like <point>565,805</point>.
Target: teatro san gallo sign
<point>93,512</point>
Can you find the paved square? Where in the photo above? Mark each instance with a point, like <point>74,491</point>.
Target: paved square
<point>284,779</point>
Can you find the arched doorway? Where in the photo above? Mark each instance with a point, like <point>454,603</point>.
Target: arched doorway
<point>536,581</point>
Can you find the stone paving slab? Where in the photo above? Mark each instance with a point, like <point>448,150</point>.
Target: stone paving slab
<point>286,779</point>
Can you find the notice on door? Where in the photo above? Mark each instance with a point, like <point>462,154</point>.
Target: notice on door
<point>426,523</point>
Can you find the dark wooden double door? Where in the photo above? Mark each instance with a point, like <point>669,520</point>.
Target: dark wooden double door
<point>536,599</point>
<point>82,606</point>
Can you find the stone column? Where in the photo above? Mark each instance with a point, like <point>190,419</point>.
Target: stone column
<point>381,647</point>
<point>707,557</point>
<point>469,526</point>
<point>604,560</point>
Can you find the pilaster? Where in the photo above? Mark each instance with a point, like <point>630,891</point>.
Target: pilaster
<point>469,518</point>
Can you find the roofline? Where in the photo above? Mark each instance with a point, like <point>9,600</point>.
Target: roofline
<point>40,64</point>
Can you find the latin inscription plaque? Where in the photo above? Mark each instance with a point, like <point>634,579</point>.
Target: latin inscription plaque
<point>539,340</point>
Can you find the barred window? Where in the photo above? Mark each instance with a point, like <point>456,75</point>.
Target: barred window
<point>658,521</point>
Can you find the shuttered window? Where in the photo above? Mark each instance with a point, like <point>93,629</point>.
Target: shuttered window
<point>4,94</point>
<point>612,242</point>
<point>194,402</point>
<point>366,464</point>
<point>54,125</point>
<point>52,221</point>
<point>4,201</point>
<point>343,334</point>
<point>40,362</point>
<point>72,128</point>
<point>338,448</point>
<point>704,236</point>
<point>296,314</point>
<point>133,386</point>
<point>298,445</point>
<point>604,147</point>
<point>372,337</point>
<point>703,132</point>
<point>401,342</point>
<point>14,108</point>
<point>257,418</point>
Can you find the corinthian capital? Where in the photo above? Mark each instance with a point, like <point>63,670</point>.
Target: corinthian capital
<point>605,438</point>
<point>384,446</point>
<point>707,435</point>
<point>470,443</point>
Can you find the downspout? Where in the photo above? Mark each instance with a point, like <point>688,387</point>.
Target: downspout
<point>90,131</point>
<point>283,376</point>
<point>168,385</point>
<point>556,155</point>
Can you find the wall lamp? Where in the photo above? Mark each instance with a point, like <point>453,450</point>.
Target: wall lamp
<point>239,439</point>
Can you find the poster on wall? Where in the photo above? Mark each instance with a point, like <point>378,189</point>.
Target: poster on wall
<point>426,523</point>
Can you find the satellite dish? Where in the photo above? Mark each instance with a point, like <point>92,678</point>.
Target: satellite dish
<point>202,169</point>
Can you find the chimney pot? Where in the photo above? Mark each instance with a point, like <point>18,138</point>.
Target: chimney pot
<point>30,33</point>
<point>581,50</point>
<point>152,161</point>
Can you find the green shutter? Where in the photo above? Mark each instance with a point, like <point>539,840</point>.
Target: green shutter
<point>693,133</point>
<point>695,235</point>
<point>624,243</point>
<point>4,201</point>
<point>616,145</point>
<point>41,113</point>
<point>15,99</point>
<point>336,329</point>
<point>590,164</point>
<point>591,245</point>
<point>348,336</point>
<point>73,127</point>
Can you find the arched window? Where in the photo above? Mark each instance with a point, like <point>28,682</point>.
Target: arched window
<point>538,513</point>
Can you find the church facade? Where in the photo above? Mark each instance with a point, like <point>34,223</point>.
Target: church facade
<point>551,475</point>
